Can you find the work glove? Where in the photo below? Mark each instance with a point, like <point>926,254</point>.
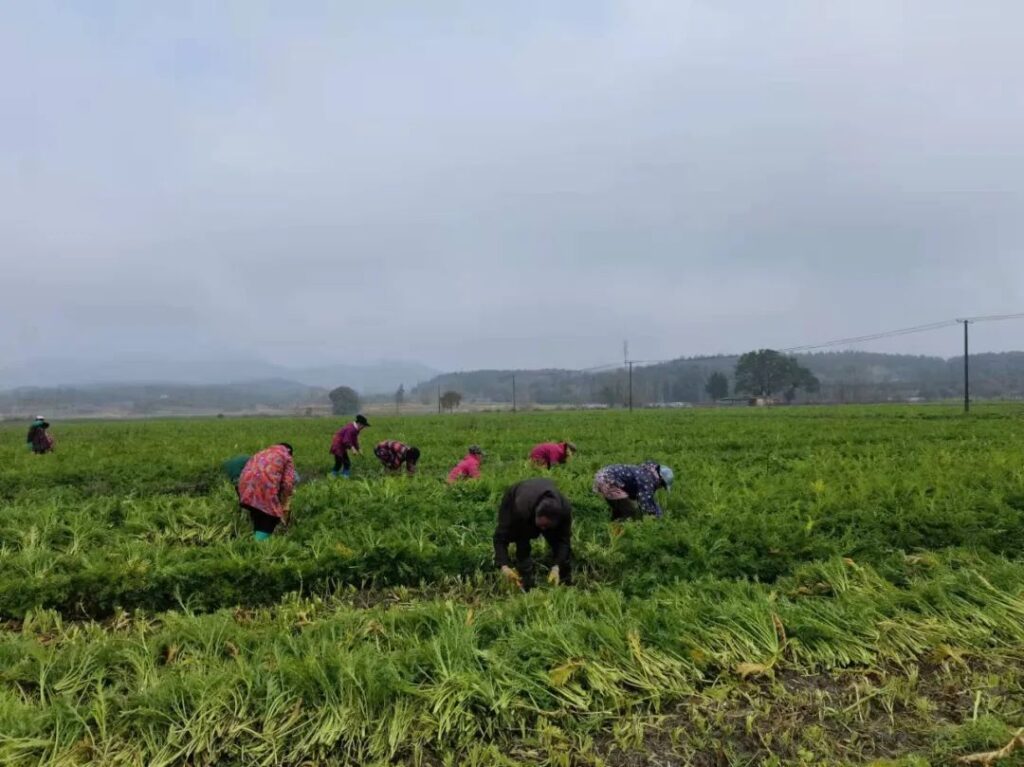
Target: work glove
<point>512,576</point>
<point>554,577</point>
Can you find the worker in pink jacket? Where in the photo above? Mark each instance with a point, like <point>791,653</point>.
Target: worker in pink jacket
<point>547,454</point>
<point>468,467</point>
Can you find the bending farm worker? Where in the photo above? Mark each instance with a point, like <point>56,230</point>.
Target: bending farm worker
<point>625,487</point>
<point>347,439</point>
<point>39,440</point>
<point>393,454</point>
<point>531,509</point>
<point>547,454</point>
<point>468,467</point>
<point>265,488</point>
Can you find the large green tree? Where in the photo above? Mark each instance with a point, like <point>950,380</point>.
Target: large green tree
<point>800,378</point>
<point>717,386</point>
<point>344,400</point>
<point>451,400</point>
<point>766,372</point>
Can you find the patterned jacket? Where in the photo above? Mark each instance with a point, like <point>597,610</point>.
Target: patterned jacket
<point>393,454</point>
<point>639,483</point>
<point>267,481</point>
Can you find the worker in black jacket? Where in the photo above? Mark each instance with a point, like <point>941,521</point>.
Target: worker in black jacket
<point>530,509</point>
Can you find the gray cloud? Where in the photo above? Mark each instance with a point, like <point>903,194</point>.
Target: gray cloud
<point>470,185</point>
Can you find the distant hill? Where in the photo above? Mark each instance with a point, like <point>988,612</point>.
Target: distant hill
<point>161,399</point>
<point>848,376</point>
<point>381,377</point>
<point>844,376</point>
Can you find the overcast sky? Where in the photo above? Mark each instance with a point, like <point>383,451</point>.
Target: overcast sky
<point>473,184</point>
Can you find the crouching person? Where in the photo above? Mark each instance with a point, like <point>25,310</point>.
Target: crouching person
<point>468,467</point>
<point>629,490</point>
<point>547,454</point>
<point>265,488</point>
<point>393,454</point>
<point>529,510</point>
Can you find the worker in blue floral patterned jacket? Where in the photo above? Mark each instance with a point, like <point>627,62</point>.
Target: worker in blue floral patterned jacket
<point>630,489</point>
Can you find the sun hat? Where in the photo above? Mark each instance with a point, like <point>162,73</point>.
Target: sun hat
<point>667,476</point>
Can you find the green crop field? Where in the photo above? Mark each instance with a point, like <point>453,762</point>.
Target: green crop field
<point>828,586</point>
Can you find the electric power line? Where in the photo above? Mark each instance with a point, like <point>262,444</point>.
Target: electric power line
<point>992,317</point>
<point>871,336</point>
<point>836,342</point>
<point>629,364</point>
<point>904,331</point>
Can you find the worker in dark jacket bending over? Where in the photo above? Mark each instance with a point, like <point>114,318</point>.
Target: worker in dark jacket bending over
<point>530,509</point>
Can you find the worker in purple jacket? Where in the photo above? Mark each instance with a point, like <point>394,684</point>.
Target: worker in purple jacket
<point>347,439</point>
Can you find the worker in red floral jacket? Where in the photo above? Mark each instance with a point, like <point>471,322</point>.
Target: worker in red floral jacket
<point>347,439</point>
<point>547,454</point>
<point>393,454</point>
<point>468,467</point>
<point>265,488</point>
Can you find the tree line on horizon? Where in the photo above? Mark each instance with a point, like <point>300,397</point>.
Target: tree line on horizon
<point>828,377</point>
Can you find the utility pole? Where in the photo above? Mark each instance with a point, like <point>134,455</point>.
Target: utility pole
<point>967,370</point>
<point>439,399</point>
<point>627,363</point>
<point>630,386</point>
<point>513,393</point>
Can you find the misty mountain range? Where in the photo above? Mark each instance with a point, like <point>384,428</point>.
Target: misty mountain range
<point>844,376</point>
<point>848,376</point>
<point>383,376</point>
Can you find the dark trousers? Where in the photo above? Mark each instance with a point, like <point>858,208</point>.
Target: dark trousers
<point>624,508</point>
<point>524,563</point>
<point>262,522</point>
<point>342,461</point>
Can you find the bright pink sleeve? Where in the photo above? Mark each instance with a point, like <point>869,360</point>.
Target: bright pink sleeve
<point>472,469</point>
